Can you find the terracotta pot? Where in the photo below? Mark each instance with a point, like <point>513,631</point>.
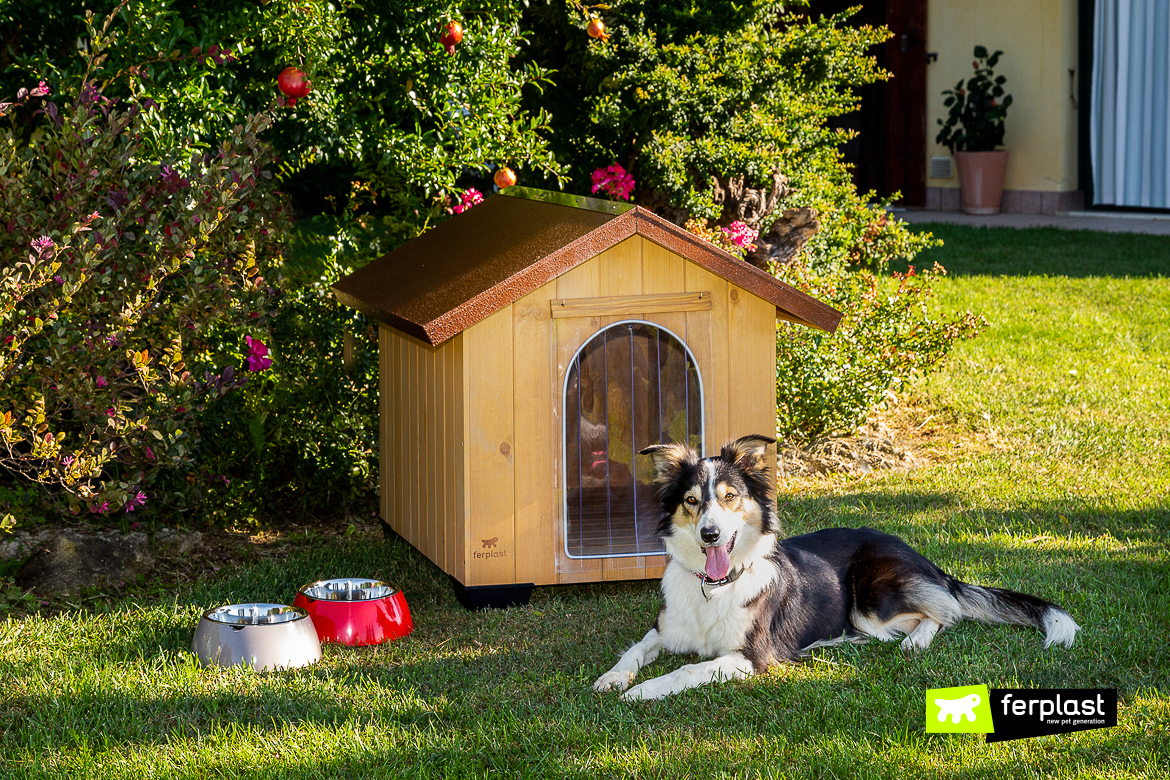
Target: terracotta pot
<point>981,176</point>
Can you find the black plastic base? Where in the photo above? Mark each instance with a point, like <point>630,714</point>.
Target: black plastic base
<point>492,596</point>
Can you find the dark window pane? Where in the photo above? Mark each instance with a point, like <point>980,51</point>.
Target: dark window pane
<point>631,386</point>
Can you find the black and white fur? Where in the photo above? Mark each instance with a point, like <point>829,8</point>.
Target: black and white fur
<point>736,594</point>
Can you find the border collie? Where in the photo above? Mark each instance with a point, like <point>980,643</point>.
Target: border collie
<point>737,595</point>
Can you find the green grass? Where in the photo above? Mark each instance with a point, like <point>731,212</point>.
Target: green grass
<point>1041,480</point>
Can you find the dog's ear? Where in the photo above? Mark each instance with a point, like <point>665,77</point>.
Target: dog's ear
<point>669,460</point>
<point>747,453</point>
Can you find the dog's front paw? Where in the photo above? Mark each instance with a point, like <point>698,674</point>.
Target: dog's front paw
<point>612,679</point>
<point>647,691</point>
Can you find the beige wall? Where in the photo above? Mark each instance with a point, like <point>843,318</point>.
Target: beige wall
<point>1039,43</point>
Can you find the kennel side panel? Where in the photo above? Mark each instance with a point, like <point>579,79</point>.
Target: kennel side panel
<point>751,350</point>
<point>488,393</point>
<point>420,442</point>
<point>455,522</point>
<point>536,450</point>
<point>706,335</point>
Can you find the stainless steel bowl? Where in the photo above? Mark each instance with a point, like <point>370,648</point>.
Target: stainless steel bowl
<point>348,589</point>
<point>263,636</point>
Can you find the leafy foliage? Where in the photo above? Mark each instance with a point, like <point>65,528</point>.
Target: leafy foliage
<point>831,384</point>
<point>120,270</point>
<point>680,92</point>
<point>388,102</point>
<point>976,113</point>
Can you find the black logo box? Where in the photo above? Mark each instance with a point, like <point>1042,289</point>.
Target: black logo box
<point>1021,713</point>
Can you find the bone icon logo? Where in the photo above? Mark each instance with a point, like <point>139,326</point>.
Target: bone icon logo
<point>957,709</point>
<point>962,710</point>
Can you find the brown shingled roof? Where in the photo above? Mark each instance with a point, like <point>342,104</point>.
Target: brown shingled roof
<point>488,257</point>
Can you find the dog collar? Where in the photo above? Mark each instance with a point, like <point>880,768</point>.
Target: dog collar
<point>731,577</point>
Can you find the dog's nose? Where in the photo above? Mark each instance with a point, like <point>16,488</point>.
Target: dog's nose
<point>709,534</point>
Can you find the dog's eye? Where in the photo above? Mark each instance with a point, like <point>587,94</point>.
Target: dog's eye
<point>730,496</point>
<point>691,500</point>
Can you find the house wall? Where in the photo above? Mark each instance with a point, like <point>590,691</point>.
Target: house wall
<point>1039,43</point>
<point>471,430</point>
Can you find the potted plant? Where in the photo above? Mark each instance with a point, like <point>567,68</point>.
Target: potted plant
<point>973,130</point>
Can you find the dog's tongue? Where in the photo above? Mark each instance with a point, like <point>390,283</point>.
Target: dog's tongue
<point>718,562</point>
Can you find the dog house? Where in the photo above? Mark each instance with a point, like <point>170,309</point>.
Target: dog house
<point>529,348</point>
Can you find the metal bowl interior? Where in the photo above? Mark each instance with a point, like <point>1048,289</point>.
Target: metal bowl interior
<point>348,589</point>
<point>257,614</point>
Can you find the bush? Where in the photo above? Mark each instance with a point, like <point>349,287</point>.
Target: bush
<point>122,269</point>
<point>684,94</point>
<point>389,105</point>
<point>831,384</point>
<point>304,439</point>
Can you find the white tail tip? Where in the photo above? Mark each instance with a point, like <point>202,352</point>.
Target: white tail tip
<point>1059,628</point>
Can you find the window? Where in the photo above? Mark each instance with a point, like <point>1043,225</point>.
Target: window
<point>631,385</point>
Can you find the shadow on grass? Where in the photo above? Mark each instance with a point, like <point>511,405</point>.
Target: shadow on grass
<point>972,251</point>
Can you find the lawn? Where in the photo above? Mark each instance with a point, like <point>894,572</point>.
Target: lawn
<point>1046,443</point>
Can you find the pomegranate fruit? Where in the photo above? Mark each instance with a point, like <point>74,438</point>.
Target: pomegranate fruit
<point>596,28</point>
<point>505,177</point>
<point>452,33</point>
<point>293,84</point>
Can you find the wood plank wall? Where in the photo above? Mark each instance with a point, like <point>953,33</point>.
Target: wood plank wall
<point>471,430</point>
<point>422,467</point>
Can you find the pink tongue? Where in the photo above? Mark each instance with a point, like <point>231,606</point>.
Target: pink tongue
<point>718,562</point>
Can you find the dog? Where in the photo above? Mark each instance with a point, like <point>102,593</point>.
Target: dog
<point>736,594</point>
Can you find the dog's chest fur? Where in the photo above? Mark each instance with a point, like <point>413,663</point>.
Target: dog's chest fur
<point>689,623</point>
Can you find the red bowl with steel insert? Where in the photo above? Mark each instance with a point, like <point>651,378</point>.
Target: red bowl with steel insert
<point>355,611</point>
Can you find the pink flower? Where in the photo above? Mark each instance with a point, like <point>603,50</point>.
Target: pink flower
<point>150,453</point>
<point>101,381</point>
<point>258,359</point>
<point>467,200</point>
<point>41,244</point>
<point>136,501</point>
<point>741,235</point>
<point>614,181</point>
<point>40,90</point>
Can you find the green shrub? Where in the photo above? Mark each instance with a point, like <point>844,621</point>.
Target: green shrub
<point>122,269</point>
<point>387,103</point>
<point>683,93</point>
<point>829,384</point>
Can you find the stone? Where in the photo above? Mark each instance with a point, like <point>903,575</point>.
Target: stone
<point>172,543</point>
<point>71,562</point>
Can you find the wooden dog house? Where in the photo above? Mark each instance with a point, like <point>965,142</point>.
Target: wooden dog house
<point>528,348</point>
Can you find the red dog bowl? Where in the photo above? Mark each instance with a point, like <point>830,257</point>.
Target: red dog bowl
<point>354,611</point>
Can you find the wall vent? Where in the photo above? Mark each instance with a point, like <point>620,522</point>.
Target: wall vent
<point>942,168</point>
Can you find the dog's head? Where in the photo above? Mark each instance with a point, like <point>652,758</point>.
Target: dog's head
<point>715,510</point>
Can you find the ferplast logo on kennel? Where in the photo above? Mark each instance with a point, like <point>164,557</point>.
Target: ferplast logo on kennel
<point>962,710</point>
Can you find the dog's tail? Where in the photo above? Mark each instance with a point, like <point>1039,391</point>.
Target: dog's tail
<point>997,605</point>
